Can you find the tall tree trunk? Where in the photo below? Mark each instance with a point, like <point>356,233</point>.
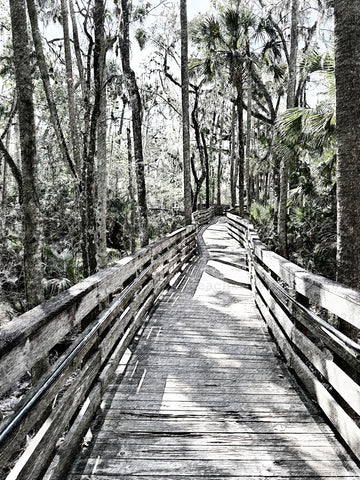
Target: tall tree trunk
<point>291,98</point>
<point>347,73</point>
<point>207,171</point>
<point>4,186</point>
<point>233,175</point>
<point>102,183</point>
<point>239,109</point>
<point>257,187</point>
<point>294,45</point>
<point>276,186</point>
<point>8,159</point>
<point>30,206</point>
<point>131,192</point>
<point>212,156</point>
<point>77,50</point>
<point>73,118</point>
<point>89,176</point>
<point>219,163</point>
<point>15,170</point>
<point>185,111</point>
<point>3,202</point>
<point>248,142</point>
<point>136,108</point>
<point>198,180</point>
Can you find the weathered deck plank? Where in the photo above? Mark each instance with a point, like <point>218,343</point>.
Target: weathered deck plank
<point>205,394</point>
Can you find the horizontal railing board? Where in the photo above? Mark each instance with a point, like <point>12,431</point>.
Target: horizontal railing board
<point>64,457</point>
<point>321,328</point>
<point>339,299</point>
<point>25,340</point>
<point>97,350</point>
<point>28,467</point>
<point>345,425</point>
<point>323,357</point>
<point>202,217</point>
<point>321,360</point>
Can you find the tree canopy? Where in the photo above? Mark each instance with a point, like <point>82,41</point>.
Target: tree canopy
<point>109,157</point>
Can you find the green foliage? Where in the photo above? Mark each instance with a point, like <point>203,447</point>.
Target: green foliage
<point>141,37</point>
<point>312,236</point>
<point>11,270</point>
<point>307,128</point>
<point>140,13</point>
<point>263,218</point>
<point>60,271</point>
<point>163,221</point>
<point>119,226</point>
<point>324,65</point>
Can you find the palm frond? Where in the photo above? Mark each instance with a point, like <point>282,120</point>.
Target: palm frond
<point>317,62</point>
<point>230,18</point>
<point>299,125</point>
<point>206,31</point>
<point>273,48</point>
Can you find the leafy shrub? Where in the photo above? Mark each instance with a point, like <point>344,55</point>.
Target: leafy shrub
<point>262,217</point>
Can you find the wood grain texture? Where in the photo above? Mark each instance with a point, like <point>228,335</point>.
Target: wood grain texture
<point>205,394</point>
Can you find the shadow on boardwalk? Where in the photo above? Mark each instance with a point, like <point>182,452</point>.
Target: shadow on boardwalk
<point>205,395</point>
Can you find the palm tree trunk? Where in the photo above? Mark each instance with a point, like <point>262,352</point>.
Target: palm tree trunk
<point>347,69</point>
<point>294,44</point>
<point>239,107</point>
<point>248,142</point>
<point>219,164</point>
<point>233,175</point>
<point>207,171</point>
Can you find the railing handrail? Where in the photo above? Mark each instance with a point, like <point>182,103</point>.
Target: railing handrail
<point>130,288</point>
<point>325,359</point>
<point>202,217</point>
<point>297,278</point>
<point>21,328</point>
<point>334,331</point>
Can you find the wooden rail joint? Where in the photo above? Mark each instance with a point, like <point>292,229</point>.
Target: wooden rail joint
<point>39,440</point>
<point>306,314</point>
<point>203,217</point>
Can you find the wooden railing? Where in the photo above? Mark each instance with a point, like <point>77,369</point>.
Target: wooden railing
<point>202,217</point>
<point>300,309</point>
<point>102,315</point>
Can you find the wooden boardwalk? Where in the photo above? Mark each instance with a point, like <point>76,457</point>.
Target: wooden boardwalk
<point>205,394</point>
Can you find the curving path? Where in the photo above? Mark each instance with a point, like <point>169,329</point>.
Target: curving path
<point>205,394</point>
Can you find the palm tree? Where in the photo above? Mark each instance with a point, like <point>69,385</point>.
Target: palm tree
<point>224,42</point>
<point>308,132</point>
